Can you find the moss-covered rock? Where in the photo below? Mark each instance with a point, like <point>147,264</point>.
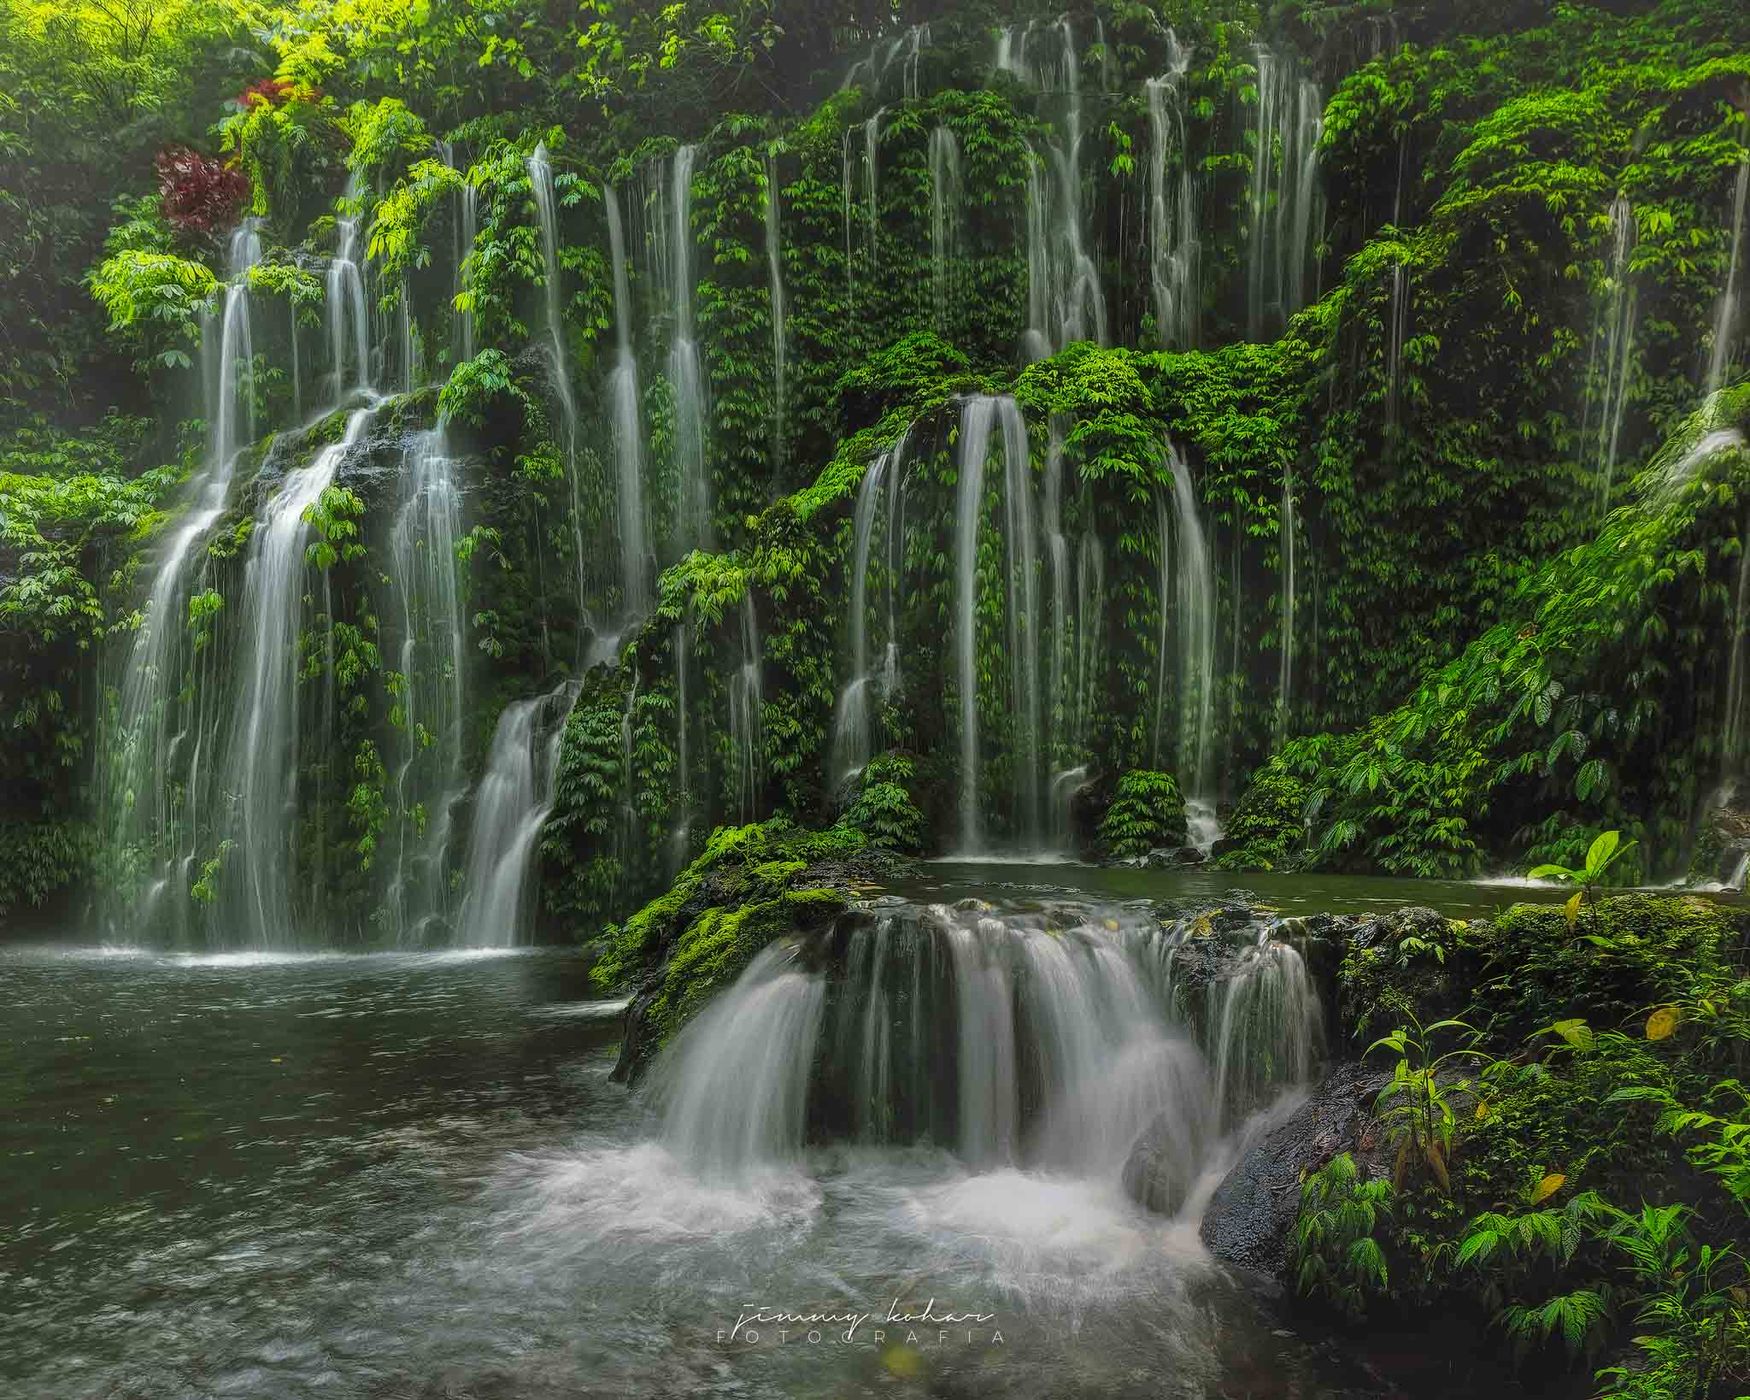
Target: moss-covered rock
<point>751,884</point>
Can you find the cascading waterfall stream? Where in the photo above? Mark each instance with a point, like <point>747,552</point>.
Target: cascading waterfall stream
<point>467,229</point>
<point>1288,610</point>
<point>980,415</point>
<point>628,431</point>
<point>947,199</point>
<point>512,802</point>
<point>872,189</point>
<point>147,804</point>
<point>349,324</point>
<point>853,722</point>
<point>1612,357</point>
<point>685,374</point>
<point>1194,621</point>
<point>540,170</point>
<point>1726,316</point>
<point>1055,1042</point>
<point>1175,251</point>
<point>261,773</point>
<point>1284,192</point>
<point>775,282</point>
<point>746,715</point>
<point>431,655</point>
<point>1065,301</point>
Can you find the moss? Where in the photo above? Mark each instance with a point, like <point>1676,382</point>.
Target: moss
<point>751,885</point>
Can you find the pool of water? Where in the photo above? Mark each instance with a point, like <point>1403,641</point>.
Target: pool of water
<point>397,1176</point>
<point>953,879</point>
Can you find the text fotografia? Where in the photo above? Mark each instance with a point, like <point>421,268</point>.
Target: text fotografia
<point>930,1325</point>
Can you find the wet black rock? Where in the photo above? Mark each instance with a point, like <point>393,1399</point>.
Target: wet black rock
<point>1249,1217</point>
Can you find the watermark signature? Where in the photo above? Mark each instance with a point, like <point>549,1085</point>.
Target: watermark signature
<point>933,1324</point>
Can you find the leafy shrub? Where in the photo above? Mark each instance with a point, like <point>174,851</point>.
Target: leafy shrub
<point>1146,812</point>
<point>884,811</point>
<point>1267,826</point>
<point>40,859</point>
<point>1333,1251</point>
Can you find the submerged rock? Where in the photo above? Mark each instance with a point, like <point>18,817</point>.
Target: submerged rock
<point>1165,1163</point>
<point>1251,1213</point>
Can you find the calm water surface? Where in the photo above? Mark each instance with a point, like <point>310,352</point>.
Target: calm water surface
<point>399,1175</point>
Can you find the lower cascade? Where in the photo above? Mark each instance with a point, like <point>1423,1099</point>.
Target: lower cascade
<point>1099,1046</point>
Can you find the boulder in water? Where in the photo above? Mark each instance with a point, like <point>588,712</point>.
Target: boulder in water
<point>1165,1163</point>
<point>1252,1211</point>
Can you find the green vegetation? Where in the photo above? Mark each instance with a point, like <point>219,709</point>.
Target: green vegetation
<point>1146,812</point>
<point>1585,1141</point>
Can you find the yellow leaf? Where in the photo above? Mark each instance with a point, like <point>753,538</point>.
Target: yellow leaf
<point>1662,1024</point>
<point>1572,907</point>
<point>1482,1109</point>
<point>1549,1186</point>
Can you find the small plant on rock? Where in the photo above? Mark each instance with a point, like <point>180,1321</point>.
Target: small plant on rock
<point>1600,856</point>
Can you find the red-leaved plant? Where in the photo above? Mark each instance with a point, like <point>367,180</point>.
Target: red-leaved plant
<point>199,194</point>
<point>270,92</point>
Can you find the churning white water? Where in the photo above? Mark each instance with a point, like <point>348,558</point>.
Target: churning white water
<point>1051,1042</point>
<point>512,802</point>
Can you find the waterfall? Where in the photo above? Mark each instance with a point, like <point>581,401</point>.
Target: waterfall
<point>628,431</point>
<point>686,376</point>
<point>734,1084</point>
<point>428,713</point>
<point>406,340</point>
<point>853,721</point>
<point>1026,705</point>
<point>547,215</point>
<point>775,275</point>
<point>946,201</point>
<point>1077,601</point>
<point>1052,1041</point>
<point>1163,617</point>
<point>845,209</point>
<point>147,805</point>
<point>975,424</point>
<point>1285,676</point>
<point>467,229</point>
<point>512,802</point>
<point>680,838</point>
<point>1065,301</point>
<point>261,774</point>
<point>1022,616</point>
<point>1284,191</point>
<point>1726,317</point>
<point>1267,1027</point>
<point>1175,251</point>
<point>746,716</point>
<point>349,325</point>
<point>1732,735</point>
<point>906,49</point>
<point>1036,338</point>
<point>1194,621</point>
<point>1397,331</point>
<point>1612,357</point>
<point>872,186</point>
